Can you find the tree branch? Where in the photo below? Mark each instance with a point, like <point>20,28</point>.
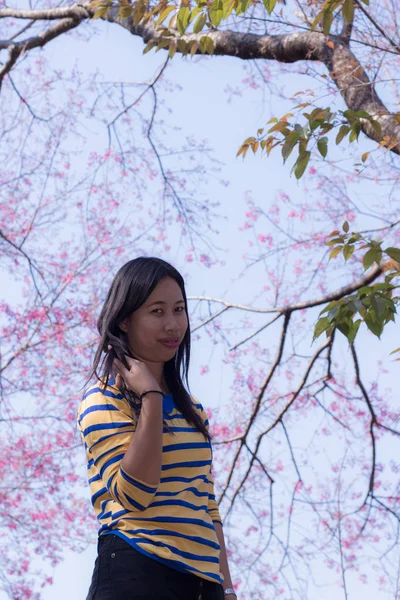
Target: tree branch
<point>15,50</point>
<point>334,52</point>
<point>75,11</point>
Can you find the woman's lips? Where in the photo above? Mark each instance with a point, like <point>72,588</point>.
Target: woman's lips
<point>171,344</point>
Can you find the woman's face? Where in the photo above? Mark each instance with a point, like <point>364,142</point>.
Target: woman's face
<point>161,317</point>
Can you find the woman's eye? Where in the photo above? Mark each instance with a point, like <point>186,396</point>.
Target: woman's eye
<point>179,309</point>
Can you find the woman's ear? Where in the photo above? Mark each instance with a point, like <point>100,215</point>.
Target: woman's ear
<point>123,326</point>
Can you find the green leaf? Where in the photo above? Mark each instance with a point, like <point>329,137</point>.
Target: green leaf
<point>216,12</point>
<point>200,22</point>
<point>207,46</point>
<point>244,6</point>
<point>269,5</point>
<point>228,6</point>
<point>164,14</point>
<point>335,252</point>
<point>343,131</point>
<point>101,12</point>
<point>138,13</point>
<point>163,43</point>
<point>348,11</point>
<point>354,330</point>
<point>365,290</point>
<point>344,327</point>
<point>301,164</point>
<point>357,305</point>
<point>355,131</point>
<point>377,127</point>
<point>172,49</point>
<point>393,253</point>
<point>182,19</point>
<point>373,325</point>
<point>290,142</point>
<point>362,114</point>
<point>330,306</point>
<point>347,252</point>
<point>369,258</point>
<point>182,46</point>
<point>321,326</point>
<point>379,305</point>
<point>327,22</point>
<point>333,313</point>
<point>149,46</point>
<point>194,46</point>
<point>125,12</point>
<point>317,19</point>
<point>384,286</point>
<point>193,13</point>
<point>323,146</point>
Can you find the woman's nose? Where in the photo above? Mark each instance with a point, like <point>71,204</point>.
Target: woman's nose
<point>171,324</point>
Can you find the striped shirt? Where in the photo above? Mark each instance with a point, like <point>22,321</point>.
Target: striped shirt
<point>173,522</point>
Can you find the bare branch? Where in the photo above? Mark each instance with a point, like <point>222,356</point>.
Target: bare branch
<point>75,11</point>
<point>16,49</point>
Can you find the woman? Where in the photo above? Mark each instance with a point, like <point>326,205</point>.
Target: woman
<point>148,449</point>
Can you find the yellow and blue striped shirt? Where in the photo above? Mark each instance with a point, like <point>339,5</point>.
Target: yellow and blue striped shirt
<point>172,523</point>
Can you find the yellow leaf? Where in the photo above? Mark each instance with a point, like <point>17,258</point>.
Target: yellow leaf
<point>335,251</point>
<point>101,12</point>
<point>164,14</point>
<point>249,140</point>
<point>364,156</point>
<point>172,49</point>
<point>125,12</point>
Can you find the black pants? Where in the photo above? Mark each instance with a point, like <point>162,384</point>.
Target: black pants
<point>123,573</point>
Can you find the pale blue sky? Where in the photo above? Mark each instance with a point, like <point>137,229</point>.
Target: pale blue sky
<point>201,109</point>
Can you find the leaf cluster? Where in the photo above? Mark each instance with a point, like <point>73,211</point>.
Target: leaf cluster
<point>373,304</point>
<point>331,8</point>
<point>311,133</point>
<point>182,16</point>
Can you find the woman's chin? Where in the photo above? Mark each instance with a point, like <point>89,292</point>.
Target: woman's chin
<point>169,351</point>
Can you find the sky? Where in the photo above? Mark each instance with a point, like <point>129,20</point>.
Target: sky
<point>202,109</point>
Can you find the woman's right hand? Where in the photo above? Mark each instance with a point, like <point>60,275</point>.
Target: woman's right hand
<point>138,379</point>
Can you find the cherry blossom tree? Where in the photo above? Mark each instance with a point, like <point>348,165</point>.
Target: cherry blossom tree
<point>299,449</point>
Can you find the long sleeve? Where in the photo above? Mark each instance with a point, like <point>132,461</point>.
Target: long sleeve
<point>107,427</point>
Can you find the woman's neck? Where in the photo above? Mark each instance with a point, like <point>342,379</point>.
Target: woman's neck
<point>157,370</point>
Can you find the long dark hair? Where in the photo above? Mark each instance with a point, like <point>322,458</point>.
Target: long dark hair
<point>131,287</point>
